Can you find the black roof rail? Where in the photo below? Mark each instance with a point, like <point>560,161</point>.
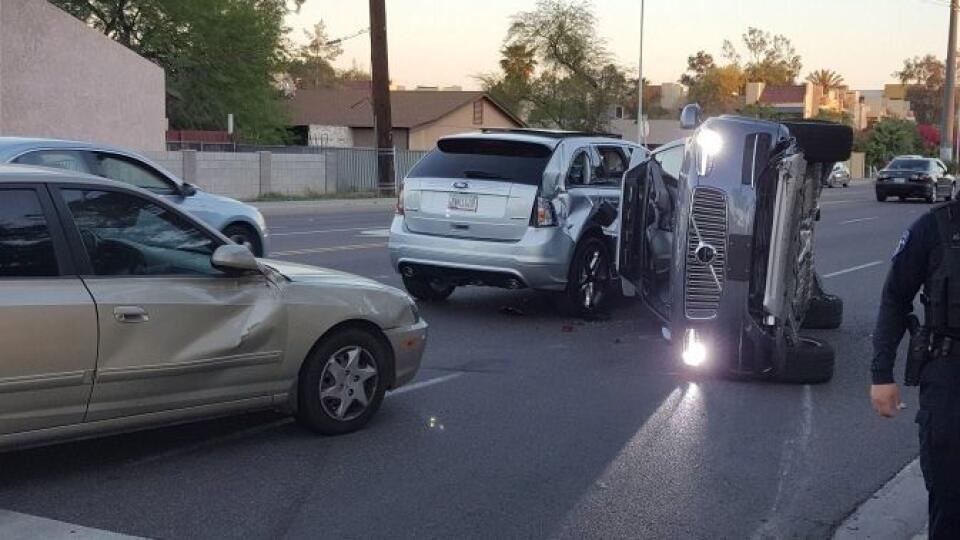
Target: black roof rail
<point>552,133</point>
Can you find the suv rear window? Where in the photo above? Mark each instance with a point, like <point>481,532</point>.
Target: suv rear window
<point>910,164</point>
<point>485,159</point>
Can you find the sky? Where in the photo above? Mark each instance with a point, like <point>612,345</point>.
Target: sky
<point>450,42</point>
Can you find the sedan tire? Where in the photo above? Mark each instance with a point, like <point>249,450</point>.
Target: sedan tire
<point>245,236</point>
<point>810,361</point>
<point>342,382</point>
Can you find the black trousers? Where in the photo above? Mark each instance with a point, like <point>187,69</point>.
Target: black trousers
<point>939,422</point>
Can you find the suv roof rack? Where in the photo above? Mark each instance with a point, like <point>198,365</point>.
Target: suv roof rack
<point>552,133</point>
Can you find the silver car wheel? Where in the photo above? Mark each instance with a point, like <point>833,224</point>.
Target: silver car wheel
<point>591,280</point>
<point>348,383</point>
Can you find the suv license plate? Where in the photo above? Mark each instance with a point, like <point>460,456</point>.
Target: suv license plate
<point>466,202</point>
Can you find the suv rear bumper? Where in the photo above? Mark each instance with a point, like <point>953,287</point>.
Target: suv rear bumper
<point>539,260</point>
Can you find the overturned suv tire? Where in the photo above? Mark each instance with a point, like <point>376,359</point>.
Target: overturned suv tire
<point>822,142</point>
<point>810,361</point>
<point>824,313</point>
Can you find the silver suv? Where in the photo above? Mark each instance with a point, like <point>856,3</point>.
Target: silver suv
<point>514,209</point>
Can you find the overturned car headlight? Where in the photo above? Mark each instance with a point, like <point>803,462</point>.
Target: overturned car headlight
<point>694,351</point>
<point>709,144</point>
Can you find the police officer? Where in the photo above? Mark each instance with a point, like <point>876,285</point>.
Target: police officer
<point>929,256</point>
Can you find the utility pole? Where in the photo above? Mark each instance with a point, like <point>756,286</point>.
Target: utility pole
<point>949,95</point>
<point>641,136</point>
<point>383,123</point>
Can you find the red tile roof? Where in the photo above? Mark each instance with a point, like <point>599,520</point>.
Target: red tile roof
<point>775,94</point>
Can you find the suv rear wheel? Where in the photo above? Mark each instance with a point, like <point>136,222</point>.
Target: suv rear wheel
<point>428,289</point>
<point>589,280</point>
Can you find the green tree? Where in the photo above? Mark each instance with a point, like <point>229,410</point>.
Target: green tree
<point>925,77</point>
<point>311,66</point>
<point>719,89</point>
<point>827,79</point>
<point>698,64</point>
<point>573,84</point>
<point>888,138</point>
<point>771,59</point>
<point>220,56</point>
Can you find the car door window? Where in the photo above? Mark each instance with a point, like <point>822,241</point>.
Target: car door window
<point>129,171</point>
<point>26,247</point>
<point>69,160</point>
<point>578,174</point>
<point>671,161</point>
<point>613,163</point>
<point>124,234</point>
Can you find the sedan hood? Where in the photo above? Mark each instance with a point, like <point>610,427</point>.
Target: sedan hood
<point>304,272</point>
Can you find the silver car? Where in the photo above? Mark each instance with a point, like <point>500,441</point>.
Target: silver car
<point>513,209</point>
<point>240,222</point>
<point>119,312</point>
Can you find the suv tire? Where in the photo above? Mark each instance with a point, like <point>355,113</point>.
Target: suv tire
<point>810,361</point>
<point>428,290</point>
<point>825,312</point>
<point>589,278</point>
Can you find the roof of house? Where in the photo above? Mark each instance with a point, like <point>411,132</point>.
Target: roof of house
<point>774,94</point>
<point>352,107</point>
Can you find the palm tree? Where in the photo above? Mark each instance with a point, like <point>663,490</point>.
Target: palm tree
<point>826,79</point>
<point>518,61</point>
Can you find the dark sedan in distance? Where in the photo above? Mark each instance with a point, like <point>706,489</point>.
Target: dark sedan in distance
<point>915,177</point>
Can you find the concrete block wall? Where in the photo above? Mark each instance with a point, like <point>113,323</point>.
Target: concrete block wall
<point>233,174</point>
<point>298,174</point>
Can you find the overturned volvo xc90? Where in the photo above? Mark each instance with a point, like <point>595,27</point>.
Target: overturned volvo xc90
<point>721,247</point>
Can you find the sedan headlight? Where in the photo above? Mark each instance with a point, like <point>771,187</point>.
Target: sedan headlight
<point>709,144</point>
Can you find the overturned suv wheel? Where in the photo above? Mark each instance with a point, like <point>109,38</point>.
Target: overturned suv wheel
<point>825,312</point>
<point>810,361</point>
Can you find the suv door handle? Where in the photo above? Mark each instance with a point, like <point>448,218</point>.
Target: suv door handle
<point>130,314</point>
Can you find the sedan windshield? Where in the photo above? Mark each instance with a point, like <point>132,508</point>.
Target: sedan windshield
<point>909,164</point>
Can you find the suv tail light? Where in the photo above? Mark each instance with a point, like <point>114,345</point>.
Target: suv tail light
<point>543,214</point>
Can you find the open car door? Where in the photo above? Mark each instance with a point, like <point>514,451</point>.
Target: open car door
<point>645,243</point>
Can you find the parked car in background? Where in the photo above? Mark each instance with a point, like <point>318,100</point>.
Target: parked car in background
<point>716,237</point>
<point>839,176</point>
<point>915,177</point>
<point>513,208</point>
<point>239,222</point>
<point>121,312</point>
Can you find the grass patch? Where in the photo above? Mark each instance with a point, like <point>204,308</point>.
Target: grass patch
<point>313,196</point>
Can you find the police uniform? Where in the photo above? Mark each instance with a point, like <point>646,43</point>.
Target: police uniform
<point>928,256</point>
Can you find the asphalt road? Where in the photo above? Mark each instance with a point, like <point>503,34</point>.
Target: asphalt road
<point>522,423</point>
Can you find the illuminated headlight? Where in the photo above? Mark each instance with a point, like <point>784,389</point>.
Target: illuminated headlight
<point>694,351</point>
<point>709,144</point>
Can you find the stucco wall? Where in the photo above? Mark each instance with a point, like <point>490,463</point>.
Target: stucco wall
<point>62,79</point>
<point>366,138</point>
<point>338,136</point>
<point>459,121</point>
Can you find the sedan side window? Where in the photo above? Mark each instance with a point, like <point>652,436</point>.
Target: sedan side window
<point>126,235</point>
<point>128,171</point>
<point>69,160</point>
<point>579,169</point>
<point>26,247</point>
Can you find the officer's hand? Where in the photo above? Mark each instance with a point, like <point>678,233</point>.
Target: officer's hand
<point>886,399</point>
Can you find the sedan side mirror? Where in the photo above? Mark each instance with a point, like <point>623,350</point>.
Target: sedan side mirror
<point>691,116</point>
<point>188,190</point>
<point>234,257</point>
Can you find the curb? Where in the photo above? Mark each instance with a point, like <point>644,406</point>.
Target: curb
<point>897,511</point>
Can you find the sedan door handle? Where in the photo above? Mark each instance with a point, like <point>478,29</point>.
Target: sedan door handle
<point>130,314</point>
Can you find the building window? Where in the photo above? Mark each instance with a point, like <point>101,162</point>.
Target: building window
<point>618,112</point>
<point>478,112</point>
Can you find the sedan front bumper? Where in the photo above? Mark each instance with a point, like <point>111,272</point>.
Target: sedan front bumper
<point>408,343</point>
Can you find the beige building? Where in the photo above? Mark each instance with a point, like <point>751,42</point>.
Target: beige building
<point>61,79</point>
<point>343,117</point>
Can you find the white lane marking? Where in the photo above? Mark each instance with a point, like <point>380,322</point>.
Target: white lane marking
<point>426,383</point>
<point>308,251</point>
<point>322,231</point>
<point>860,220</point>
<point>852,269</point>
<point>380,233</point>
<point>17,525</point>
<point>837,202</point>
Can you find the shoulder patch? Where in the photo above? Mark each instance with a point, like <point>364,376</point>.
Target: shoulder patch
<point>902,244</point>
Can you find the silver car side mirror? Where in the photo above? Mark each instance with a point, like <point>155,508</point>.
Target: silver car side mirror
<point>234,257</point>
<point>691,116</point>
